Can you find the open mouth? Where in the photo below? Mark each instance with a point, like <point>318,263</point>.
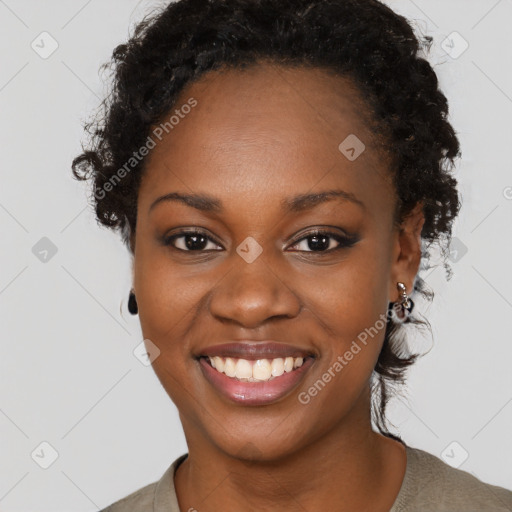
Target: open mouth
<point>256,370</point>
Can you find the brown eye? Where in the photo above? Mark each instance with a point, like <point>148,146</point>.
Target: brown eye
<point>323,241</point>
<point>190,241</point>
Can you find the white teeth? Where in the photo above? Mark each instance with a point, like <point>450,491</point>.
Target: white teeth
<point>261,369</point>
<point>288,364</point>
<point>243,369</point>
<point>277,367</point>
<point>229,367</point>
<point>218,363</point>
<point>255,371</point>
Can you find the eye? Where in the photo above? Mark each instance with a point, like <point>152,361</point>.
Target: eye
<point>190,241</point>
<point>323,241</point>
<point>319,241</point>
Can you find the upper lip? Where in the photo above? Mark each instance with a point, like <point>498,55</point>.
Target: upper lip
<point>255,350</point>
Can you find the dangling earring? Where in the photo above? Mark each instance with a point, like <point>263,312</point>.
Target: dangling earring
<point>402,309</point>
<point>132,303</point>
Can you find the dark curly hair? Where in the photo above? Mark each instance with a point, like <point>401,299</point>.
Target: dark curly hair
<point>363,40</point>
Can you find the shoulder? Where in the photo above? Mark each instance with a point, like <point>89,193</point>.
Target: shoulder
<point>432,485</point>
<point>140,500</point>
<point>158,496</point>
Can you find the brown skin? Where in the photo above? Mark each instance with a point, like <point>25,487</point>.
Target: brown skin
<point>256,137</point>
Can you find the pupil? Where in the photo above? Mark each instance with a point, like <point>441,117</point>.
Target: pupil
<point>315,244</point>
<point>190,245</point>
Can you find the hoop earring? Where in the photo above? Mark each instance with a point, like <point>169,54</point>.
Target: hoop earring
<point>133,308</point>
<point>401,309</point>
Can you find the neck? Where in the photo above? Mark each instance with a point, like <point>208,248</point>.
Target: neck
<point>348,468</point>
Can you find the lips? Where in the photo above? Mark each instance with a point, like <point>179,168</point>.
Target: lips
<point>255,350</point>
<point>253,393</point>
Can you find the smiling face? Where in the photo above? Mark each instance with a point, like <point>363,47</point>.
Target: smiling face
<point>263,145</point>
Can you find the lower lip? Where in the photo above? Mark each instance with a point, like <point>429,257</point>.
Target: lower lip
<point>254,393</point>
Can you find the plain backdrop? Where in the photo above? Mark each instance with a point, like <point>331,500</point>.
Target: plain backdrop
<point>68,376</point>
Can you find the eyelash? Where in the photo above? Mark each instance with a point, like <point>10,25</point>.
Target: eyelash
<point>343,241</point>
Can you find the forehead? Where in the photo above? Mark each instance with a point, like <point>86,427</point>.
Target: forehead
<point>270,131</point>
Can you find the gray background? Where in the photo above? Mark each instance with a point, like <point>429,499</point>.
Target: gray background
<point>68,376</point>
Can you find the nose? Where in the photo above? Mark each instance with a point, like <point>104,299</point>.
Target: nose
<point>252,294</point>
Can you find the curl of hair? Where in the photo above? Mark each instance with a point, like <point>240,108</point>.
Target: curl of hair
<point>363,40</point>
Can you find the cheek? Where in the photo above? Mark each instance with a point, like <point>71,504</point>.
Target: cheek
<point>351,307</point>
<point>350,297</point>
<point>166,292</point>
<point>168,298</point>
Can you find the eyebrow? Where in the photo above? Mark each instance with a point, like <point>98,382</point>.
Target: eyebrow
<point>295,204</point>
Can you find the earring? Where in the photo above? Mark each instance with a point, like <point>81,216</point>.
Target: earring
<point>132,303</point>
<point>402,309</point>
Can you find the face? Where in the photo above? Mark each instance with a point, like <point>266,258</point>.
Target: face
<point>242,262</point>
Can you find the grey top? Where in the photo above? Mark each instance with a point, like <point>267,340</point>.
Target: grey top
<point>429,485</point>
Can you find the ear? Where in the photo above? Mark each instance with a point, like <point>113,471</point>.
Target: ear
<point>407,252</point>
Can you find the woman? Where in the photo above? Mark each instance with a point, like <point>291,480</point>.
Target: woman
<point>278,169</point>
